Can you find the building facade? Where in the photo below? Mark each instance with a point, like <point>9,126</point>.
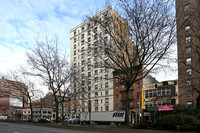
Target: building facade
<point>12,96</point>
<point>160,97</point>
<point>88,76</point>
<point>188,31</point>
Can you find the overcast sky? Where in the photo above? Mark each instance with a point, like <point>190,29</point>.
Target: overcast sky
<point>21,20</point>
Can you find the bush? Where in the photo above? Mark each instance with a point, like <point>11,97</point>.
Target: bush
<point>144,125</point>
<point>43,121</point>
<point>178,122</point>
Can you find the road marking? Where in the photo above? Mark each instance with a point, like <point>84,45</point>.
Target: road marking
<point>16,132</point>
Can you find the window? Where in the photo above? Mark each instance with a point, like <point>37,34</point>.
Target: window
<point>106,100</point>
<point>89,39</point>
<point>96,101</point>
<point>83,62</point>
<point>96,64</point>
<point>106,39</point>
<point>89,32</point>
<point>189,94</point>
<point>82,55</point>
<point>116,88</point>
<point>74,46</point>
<point>89,26</point>
<point>95,57</point>
<point>89,74</point>
<point>82,42</point>
<point>82,69</point>
<point>123,87</point>
<point>188,50</point>
<point>188,61</point>
<point>116,80</point>
<point>95,29</point>
<point>187,18</point>
<point>96,72</point>
<point>74,40</point>
<point>186,7</point>
<point>189,71</point>
<point>106,92</point>
<point>74,52</point>
<point>95,36</point>
<point>138,84</point>
<point>96,79</point>
<point>89,60</point>
<point>131,105</point>
<point>83,83</point>
<point>168,91</point>
<point>188,39</point>
<point>146,94</point>
<point>106,84</point>
<point>89,81</point>
<point>189,82</point>
<point>82,36</point>
<point>82,29</point>
<point>106,76</point>
<point>89,46</point>
<point>107,108</point>
<point>122,96</point>
<point>187,28</point>
<point>96,109</point>
<point>74,58</point>
<point>116,98</point>
<point>163,92</point>
<point>131,95</point>
<point>83,75</point>
<point>96,87</point>
<point>96,93</point>
<point>89,67</point>
<point>74,33</point>
<point>138,94</point>
<point>82,49</point>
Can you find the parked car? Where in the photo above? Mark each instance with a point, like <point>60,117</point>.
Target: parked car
<point>66,120</point>
<point>74,120</point>
<point>59,120</point>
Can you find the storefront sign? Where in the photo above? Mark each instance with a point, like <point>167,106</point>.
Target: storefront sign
<point>165,108</point>
<point>149,99</point>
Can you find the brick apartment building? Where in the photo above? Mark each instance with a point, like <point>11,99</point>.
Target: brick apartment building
<point>11,97</point>
<point>136,95</point>
<point>188,42</point>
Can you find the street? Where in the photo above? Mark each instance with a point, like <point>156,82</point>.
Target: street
<point>19,128</point>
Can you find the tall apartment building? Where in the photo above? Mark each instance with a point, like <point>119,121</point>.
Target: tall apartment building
<point>97,80</point>
<point>188,31</point>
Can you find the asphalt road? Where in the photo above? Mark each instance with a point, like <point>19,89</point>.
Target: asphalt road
<point>19,128</point>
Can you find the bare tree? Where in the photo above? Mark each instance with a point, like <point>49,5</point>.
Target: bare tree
<point>134,45</point>
<point>50,65</point>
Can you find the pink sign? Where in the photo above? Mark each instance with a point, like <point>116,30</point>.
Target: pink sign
<point>165,108</point>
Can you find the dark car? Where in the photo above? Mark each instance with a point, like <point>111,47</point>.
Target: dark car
<point>54,120</point>
<point>66,120</point>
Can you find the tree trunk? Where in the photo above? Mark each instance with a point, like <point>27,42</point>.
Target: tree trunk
<point>57,110</point>
<point>63,113</point>
<point>31,110</point>
<point>127,107</point>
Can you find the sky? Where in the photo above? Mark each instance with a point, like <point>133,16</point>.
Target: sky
<point>22,20</point>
